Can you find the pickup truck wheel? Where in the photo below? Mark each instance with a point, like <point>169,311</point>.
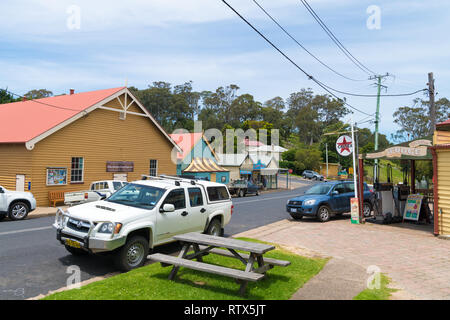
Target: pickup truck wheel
<point>215,228</point>
<point>323,214</point>
<point>257,192</point>
<point>367,209</point>
<point>241,193</point>
<point>76,251</point>
<point>133,254</point>
<point>18,211</point>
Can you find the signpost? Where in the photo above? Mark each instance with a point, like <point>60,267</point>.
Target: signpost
<point>412,207</point>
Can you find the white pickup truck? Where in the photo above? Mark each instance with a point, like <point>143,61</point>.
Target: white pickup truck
<point>142,215</point>
<point>16,204</point>
<point>97,191</point>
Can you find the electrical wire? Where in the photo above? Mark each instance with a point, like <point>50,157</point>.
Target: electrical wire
<point>335,39</point>
<point>37,101</point>
<point>310,77</point>
<point>301,46</point>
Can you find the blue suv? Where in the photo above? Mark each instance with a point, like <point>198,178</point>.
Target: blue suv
<point>324,199</point>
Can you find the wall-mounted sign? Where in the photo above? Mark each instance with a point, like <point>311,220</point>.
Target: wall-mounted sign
<point>344,146</point>
<point>412,207</point>
<point>56,176</point>
<point>259,165</point>
<point>119,166</point>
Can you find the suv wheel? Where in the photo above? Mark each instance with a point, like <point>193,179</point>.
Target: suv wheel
<point>215,228</point>
<point>18,211</point>
<point>133,254</point>
<point>367,209</point>
<point>323,214</point>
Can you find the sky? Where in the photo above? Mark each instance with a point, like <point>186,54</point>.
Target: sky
<point>91,45</point>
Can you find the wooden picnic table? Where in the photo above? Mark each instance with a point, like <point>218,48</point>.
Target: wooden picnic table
<point>204,244</point>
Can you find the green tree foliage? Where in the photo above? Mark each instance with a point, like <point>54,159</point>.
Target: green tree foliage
<point>38,94</point>
<point>6,97</point>
<point>415,121</point>
<point>303,157</point>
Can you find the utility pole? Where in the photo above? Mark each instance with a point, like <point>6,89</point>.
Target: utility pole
<point>432,106</point>
<point>326,152</point>
<point>377,116</point>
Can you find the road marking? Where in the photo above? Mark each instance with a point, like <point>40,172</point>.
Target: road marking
<point>258,200</point>
<point>24,230</point>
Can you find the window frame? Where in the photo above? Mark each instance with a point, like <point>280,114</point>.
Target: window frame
<point>168,194</point>
<point>153,168</point>
<point>189,196</point>
<point>72,169</point>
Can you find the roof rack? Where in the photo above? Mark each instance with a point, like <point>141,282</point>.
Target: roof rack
<point>177,180</point>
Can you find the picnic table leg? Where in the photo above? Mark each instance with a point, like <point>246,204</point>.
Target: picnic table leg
<point>196,250</point>
<point>248,268</point>
<point>182,254</point>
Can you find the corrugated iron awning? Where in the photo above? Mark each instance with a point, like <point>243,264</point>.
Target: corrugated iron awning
<point>204,165</point>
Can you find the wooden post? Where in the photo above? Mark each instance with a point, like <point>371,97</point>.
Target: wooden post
<point>413,176</point>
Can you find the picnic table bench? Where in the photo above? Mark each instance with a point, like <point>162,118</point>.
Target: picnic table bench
<point>205,244</point>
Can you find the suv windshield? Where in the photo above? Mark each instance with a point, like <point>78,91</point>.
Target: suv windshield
<point>319,189</point>
<point>136,195</point>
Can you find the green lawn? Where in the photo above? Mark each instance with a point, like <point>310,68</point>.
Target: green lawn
<point>383,293</point>
<point>151,283</point>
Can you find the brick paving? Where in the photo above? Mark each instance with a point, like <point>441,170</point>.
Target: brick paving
<point>415,260</point>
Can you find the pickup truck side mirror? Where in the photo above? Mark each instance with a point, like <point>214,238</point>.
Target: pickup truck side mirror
<point>167,208</point>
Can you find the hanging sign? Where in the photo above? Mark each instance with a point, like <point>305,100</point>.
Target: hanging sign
<point>344,146</point>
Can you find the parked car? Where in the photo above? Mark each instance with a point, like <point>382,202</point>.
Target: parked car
<point>308,174</point>
<point>142,215</point>
<point>328,198</point>
<point>97,191</point>
<point>16,204</point>
<point>242,187</point>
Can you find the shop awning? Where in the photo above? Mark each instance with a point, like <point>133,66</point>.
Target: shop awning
<point>204,165</point>
<point>411,150</point>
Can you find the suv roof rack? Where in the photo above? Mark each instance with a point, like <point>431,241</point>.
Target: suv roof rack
<point>177,180</point>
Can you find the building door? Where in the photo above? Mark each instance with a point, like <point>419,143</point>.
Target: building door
<point>120,176</point>
<point>20,182</point>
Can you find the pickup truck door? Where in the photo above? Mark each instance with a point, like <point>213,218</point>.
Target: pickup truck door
<point>169,224</point>
<point>198,210</point>
<point>3,206</point>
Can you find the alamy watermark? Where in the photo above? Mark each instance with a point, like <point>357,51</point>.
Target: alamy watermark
<point>374,20</point>
<point>74,280</point>
<point>73,21</point>
<point>374,280</point>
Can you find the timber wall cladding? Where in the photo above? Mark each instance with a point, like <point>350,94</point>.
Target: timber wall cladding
<point>99,137</point>
<point>14,159</point>
<point>443,159</point>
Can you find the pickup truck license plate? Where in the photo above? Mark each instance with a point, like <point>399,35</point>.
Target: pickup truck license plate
<point>73,244</point>
<point>293,210</point>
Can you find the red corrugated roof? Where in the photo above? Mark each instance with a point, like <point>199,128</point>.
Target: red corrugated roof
<point>22,121</point>
<point>443,123</point>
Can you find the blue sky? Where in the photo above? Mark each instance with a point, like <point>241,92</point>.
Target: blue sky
<point>202,40</point>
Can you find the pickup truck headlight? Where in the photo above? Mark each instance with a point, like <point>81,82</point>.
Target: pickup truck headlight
<point>309,202</point>
<point>109,228</point>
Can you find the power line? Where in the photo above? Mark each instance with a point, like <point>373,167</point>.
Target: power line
<point>300,45</point>
<point>37,101</point>
<point>335,39</point>
<point>374,95</point>
<point>310,77</point>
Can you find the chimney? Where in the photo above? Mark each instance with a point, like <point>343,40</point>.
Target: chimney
<point>72,91</point>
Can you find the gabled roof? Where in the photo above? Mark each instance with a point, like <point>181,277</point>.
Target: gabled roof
<point>32,120</point>
<point>231,159</point>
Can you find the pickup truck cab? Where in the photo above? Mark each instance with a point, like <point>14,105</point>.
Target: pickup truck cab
<point>97,191</point>
<point>16,204</point>
<point>144,214</point>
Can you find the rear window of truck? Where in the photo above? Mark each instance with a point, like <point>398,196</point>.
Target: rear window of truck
<point>218,193</point>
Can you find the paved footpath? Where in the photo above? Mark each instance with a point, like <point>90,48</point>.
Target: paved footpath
<point>415,260</point>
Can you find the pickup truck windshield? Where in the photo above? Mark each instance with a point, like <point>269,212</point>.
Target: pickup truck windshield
<point>136,195</point>
<point>319,189</point>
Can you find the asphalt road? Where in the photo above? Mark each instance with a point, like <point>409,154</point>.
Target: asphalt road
<point>32,262</point>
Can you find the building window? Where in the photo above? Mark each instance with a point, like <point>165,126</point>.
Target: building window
<point>77,171</point>
<point>153,167</point>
